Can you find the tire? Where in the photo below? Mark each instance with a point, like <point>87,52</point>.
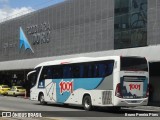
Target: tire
<point>65,105</point>
<point>14,94</point>
<point>87,103</point>
<point>41,99</point>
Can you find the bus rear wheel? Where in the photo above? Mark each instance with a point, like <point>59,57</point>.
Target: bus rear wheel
<point>87,103</point>
<point>41,99</point>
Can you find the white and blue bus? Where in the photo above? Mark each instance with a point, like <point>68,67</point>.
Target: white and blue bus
<point>112,81</point>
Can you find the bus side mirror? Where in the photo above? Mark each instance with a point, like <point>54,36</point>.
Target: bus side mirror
<point>30,73</point>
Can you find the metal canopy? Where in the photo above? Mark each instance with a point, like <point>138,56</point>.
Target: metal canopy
<point>150,52</point>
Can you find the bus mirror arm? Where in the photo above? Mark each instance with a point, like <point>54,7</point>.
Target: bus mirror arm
<point>30,74</point>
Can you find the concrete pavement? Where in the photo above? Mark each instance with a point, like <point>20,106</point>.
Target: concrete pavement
<point>149,108</point>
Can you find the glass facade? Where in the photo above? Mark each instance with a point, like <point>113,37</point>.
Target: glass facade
<point>130,23</point>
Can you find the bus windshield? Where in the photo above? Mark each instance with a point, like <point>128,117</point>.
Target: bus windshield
<point>32,76</point>
<point>133,64</point>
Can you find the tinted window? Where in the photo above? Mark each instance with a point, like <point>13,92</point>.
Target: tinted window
<point>130,23</point>
<point>32,78</point>
<point>44,73</point>
<point>57,72</point>
<point>5,86</point>
<point>133,64</point>
<point>78,70</point>
<point>98,69</point>
<point>20,88</point>
<point>67,71</point>
<point>88,70</point>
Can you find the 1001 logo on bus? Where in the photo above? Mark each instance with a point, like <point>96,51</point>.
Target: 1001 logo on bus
<point>66,86</point>
<point>135,86</point>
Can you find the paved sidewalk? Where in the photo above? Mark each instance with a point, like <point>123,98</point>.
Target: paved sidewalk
<point>152,108</point>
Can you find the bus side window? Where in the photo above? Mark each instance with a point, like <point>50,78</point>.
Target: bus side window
<point>67,71</point>
<point>43,74</point>
<point>54,73</point>
<point>105,68</point>
<point>96,70</point>
<point>81,69</point>
<point>109,67</point>
<point>76,71</point>
<point>89,71</point>
<point>86,70</point>
<point>57,72</point>
<point>49,73</point>
<point>102,70</point>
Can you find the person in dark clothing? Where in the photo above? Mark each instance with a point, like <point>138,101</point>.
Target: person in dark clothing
<point>27,86</point>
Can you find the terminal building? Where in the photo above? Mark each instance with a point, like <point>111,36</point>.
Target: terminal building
<point>79,28</point>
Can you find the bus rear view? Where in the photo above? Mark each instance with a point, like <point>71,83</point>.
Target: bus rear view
<point>132,84</point>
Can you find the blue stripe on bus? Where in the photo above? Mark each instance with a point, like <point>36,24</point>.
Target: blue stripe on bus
<point>78,83</point>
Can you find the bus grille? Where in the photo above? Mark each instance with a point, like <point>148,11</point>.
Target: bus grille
<point>106,97</point>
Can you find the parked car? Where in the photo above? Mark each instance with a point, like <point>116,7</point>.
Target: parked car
<point>17,91</point>
<point>4,89</point>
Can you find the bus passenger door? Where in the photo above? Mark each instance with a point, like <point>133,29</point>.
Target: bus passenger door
<point>50,90</point>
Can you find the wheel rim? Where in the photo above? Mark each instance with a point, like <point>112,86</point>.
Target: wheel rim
<point>42,98</point>
<point>87,103</point>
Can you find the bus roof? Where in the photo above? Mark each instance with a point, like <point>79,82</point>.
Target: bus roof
<point>64,61</point>
<point>75,60</point>
<point>80,59</point>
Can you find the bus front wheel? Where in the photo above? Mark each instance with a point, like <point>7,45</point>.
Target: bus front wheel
<point>87,103</point>
<point>41,99</point>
